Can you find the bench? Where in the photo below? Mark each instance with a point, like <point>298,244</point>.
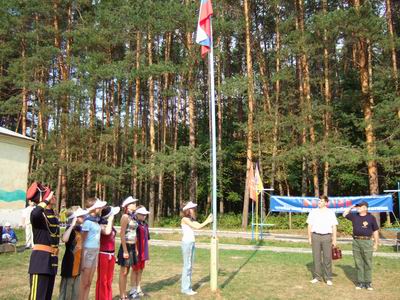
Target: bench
<point>8,247</point>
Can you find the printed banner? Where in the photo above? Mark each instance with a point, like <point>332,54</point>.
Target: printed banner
<point>378,203</point>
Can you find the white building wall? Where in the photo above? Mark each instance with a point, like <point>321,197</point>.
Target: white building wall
<point>14,167</point>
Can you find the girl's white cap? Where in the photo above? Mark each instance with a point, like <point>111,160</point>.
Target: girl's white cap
<point>142,211</point>
<point>97,204</point>
<point>128,201</point>
<point>189,206</point>
<point>110,210</point>
<point>78,213</point>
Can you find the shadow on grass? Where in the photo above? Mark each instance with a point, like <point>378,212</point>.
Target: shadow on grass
<point>350,272</point>
<point>233,274</point>
<point>159,285</point>
<point>198,284</point>
<point>310,268</point>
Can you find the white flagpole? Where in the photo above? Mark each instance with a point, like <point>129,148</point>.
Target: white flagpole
<point>214,240</point>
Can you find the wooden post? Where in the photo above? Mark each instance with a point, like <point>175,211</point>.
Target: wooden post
<point>214,264</point>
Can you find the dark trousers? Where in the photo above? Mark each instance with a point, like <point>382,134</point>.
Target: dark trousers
<point>322,255</point>
<point>41,286</point>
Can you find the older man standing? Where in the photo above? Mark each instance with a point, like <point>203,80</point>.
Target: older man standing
<point>365,228</point>
<point>322,224</point>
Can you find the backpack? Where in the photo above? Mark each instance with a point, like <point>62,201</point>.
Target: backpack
<point>37,192</point>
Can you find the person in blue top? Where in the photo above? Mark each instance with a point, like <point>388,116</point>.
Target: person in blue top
<point>91,244</point>
<point>8,234</point>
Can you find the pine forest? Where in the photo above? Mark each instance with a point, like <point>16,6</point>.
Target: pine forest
<point>115,92</point>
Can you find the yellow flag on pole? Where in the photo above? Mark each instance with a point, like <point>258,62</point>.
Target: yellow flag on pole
<point>258,182</point>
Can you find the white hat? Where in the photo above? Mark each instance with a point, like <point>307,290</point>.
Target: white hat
<point>7,224</point>
<point>189,206</point>
<point>142,211</point>
<point>128,201</point>
<point>97,204</point>
<point>110,210</point>
<point>78,213</point>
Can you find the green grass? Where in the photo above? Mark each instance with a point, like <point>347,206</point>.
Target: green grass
<point>242,275</point>
<point>266,242</point>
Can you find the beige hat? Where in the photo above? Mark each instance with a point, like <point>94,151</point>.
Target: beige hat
<point>110,210</point>
<point>189,206</point>
<point>97,204</point>
<point>128,201</point>
<point>78,213</point>
<point>142,211</point>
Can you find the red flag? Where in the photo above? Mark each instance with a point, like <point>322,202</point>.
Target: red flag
<point>203,34</point>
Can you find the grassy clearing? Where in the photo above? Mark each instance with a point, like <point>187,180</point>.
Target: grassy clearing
<point>243,275</point>
<point>266,242</point>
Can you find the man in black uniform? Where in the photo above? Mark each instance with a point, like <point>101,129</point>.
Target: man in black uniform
<point>365,229</point>
<point>44,258</point>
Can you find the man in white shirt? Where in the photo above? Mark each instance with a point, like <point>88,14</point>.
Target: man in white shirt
<point>26,222</point>
<point>322,224</point>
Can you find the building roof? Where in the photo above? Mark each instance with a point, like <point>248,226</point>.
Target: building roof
<point>5,131</point>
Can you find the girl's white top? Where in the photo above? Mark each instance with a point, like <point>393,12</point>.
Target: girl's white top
<point>188,233</point>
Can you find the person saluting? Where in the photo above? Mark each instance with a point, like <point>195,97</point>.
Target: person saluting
<point>44,257</point>
<point>365,228</point>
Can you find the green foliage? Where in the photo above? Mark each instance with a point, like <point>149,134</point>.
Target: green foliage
<point>229,221</point>
<point>91,115</point>
<point>345,226</point>
<point>173,221</point>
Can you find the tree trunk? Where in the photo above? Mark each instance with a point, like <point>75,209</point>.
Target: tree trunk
<point>307,98</point>
<point>24,89</point>
<point>92,125</point>
<point>163,125</point>
<point>116,136</point>
<point>192,121</point>
<point>328,100</point>
<point>136,121</point>
<point>363,65</point>
<point>64,76</point>
<point>178,105</point>
<point>250,94</point>
<point>277,96</point>
<point>264,76</point>
<point>393,55</point>
<point>152,133</point>
<point>219,121</point>
<point>304,163</point>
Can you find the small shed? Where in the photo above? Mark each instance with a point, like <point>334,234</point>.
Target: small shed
<point>15,152</point>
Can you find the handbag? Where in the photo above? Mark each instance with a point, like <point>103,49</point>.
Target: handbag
<point>336,252</point>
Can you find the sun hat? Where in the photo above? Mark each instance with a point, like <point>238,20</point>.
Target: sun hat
<point>7,224</point>
<point>189,206</point>
<point>78,213</point>
<point>128,201</point>
<point>97,204</point>
<point>110,210</point>
<point>142,211</point>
